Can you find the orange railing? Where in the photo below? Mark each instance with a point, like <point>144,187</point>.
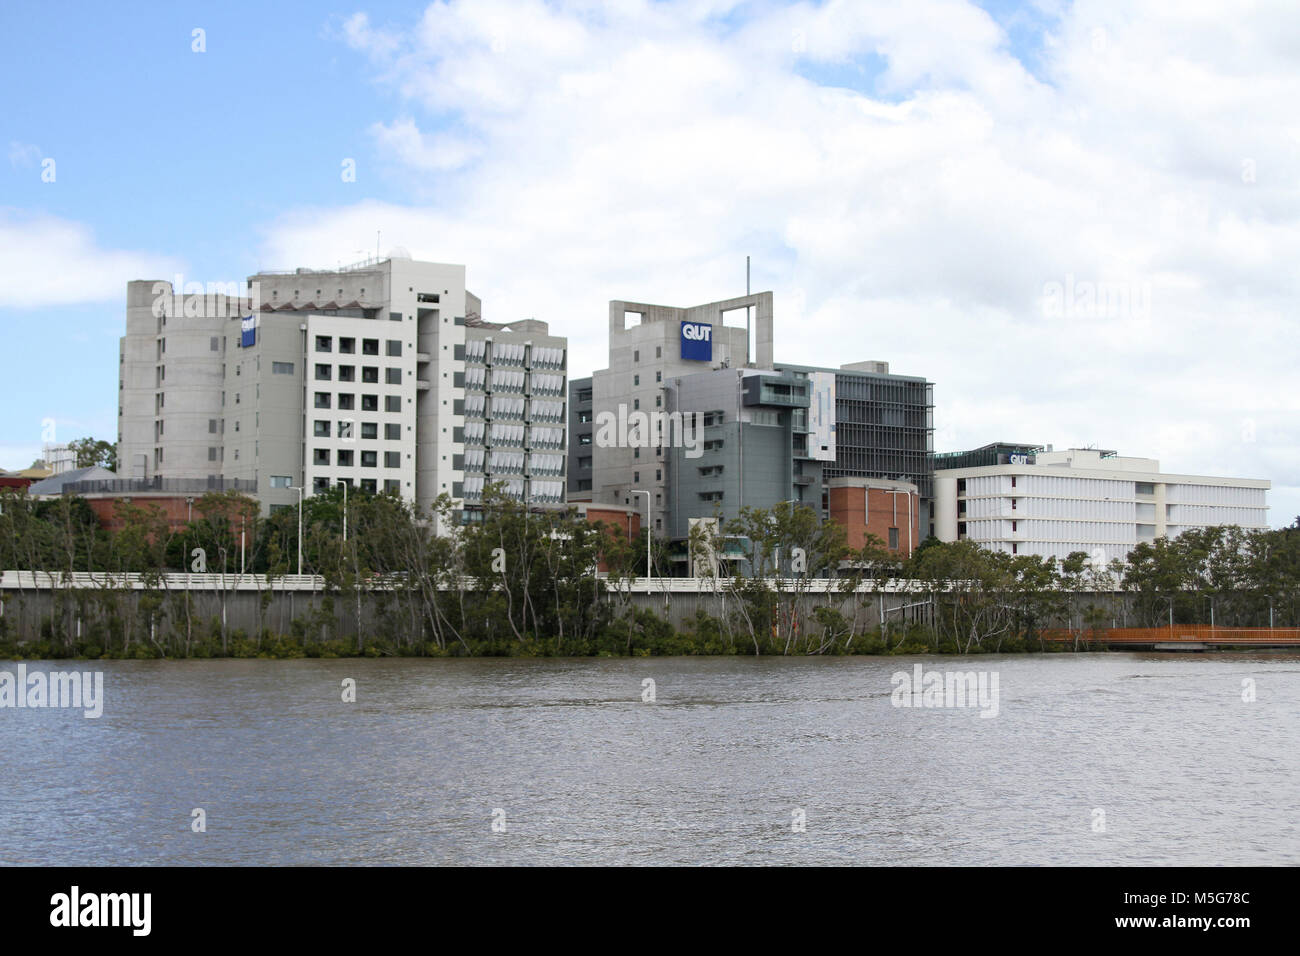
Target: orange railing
<point>1178,634</point>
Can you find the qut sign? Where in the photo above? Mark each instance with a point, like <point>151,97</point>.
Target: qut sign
<point>697,341</point>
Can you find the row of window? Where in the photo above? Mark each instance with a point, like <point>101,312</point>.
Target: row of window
<point>322,485</point>
<point>346,430</point>
<point>348,373</point>
<point>369,403</point>
<point>348,346</point>
<point>345,458</point>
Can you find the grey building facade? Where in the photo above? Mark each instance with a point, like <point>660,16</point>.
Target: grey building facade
<point>883,427</point>
<point>649,344</point>
<point>751,448</point>
<point>580,439</point>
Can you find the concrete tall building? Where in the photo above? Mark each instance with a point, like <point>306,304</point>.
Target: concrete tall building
<point>516,386</point>
<point>307,379</point>
<point>750,449</point>
<point>649,344</point>
<point>1052,503</point>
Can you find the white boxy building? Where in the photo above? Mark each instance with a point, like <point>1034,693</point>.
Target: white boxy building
<point>311,378</point>
<point>1052,503</point>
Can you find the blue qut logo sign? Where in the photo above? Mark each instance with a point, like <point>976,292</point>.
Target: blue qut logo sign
<point>697,341</point>
<point>248,332</point>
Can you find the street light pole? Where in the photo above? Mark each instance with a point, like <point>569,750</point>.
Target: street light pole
<point>298,488</point>
<point>345,510</point>
<point>909,515</point>
<point>649,570</point>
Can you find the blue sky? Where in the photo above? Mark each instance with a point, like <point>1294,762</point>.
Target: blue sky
<point>909,178</point>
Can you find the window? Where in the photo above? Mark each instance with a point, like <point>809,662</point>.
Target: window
<point>659,376</point>
<point>659,475</point>
<point>636,403</point>
<point>1013,481</point>
<point>345,457</point>
<point>584,439</point>
<point>893,539</point>
<point>345,430</point>
<point>392,431</point>
<point>347,402</point>
<point>394,348</point>
<point>636,355</point>
<point>281,368</point>
<point>368,485</point>
<point>370,346</point>
<point>636,477</point>
<point>280,481</point>
<point>392,403</point>
<point>212,426</point>
<point>392,376</point>
<point>324,343</point>
<point>347,373</point>
<point>323,373</point>
<point>392,486</point>
<point>369,459</point>
<point>370,374</point>
<point>321,428</point>
<point>1013,504</point>
<point>322,399</point>
<point>636,380</point>
<point>659,400</point>
<point>659,351</point>
<point>348,346</point>
<point>370,403</point>
<point>392,459</point>
<point>636,452</point>
<point>321,456</point>
<point>369,430</point>
<point>318,485</point>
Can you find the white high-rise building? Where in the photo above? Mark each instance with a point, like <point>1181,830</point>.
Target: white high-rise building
<point>306,378</point>
<point>1053,503</point>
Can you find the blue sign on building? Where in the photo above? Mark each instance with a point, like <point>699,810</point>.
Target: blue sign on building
<point>248,332</point>
<point>697,341</point>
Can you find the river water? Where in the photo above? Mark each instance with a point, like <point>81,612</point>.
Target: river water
<point>1090,759</point>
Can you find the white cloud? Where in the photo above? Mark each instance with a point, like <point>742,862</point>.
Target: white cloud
<point>51,261</point>
<point>575,152</point>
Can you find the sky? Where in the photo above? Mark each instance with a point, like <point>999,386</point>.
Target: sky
<point>1081,221</point>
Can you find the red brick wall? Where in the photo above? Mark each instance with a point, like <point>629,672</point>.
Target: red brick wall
<point>864,511</point>
<point>615,518</point>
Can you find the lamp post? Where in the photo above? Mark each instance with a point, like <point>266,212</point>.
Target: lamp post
<point>344,483</point>
<point>298,488</point>
<point>649,570</point>
<point>909,514</point>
